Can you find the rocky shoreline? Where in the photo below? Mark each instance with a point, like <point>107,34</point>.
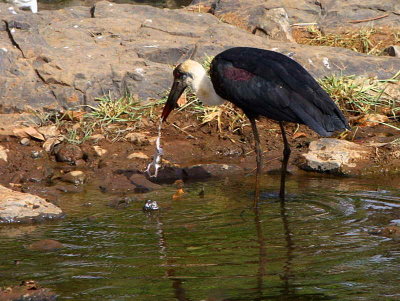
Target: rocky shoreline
<point>64,60</point>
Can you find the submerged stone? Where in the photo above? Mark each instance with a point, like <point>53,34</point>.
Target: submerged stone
<point>46,245</point>
<point>150,206</point>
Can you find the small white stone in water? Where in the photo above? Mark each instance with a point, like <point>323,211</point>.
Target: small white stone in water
<point>4,49</point>
<point>148,20</point>
<point>150,206</point>
<point>76,26</point>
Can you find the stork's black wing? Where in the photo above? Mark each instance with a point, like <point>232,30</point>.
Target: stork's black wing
<point>267,83</point>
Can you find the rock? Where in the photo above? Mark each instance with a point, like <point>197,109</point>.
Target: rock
<point>46,245</point>
<point>9,122</point>
<point>69,153</point>
<point>36,154</point>
<point>138,139</point>
<point>333,156</point>
<point>329,14</point>
<point>167,175</point>
<point>25,141</point>
<point>61,68</point>
<point>3,153</point>
<point>391,231</point>
<point>111,182</point>
<point>273,24</point>
<point>203,171</point>
<point>142,184</point>
<point>150,206</point>
<point>121,203</point>
<point>50,143</point>
<point>28,290</point>
<point>24,207</point>
<point>393,51</point>
<point>76,177</point>
<point>138,155</point>
<point>26,132</point>
<point>99,151</point>
<point>69,188</point>
<point>49,131</point>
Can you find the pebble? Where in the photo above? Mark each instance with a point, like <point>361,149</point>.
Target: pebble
<point>36,154</point>
<point>150,206</point>
<point>25,141</point>
<point>46,245</point>
<point>76,177</point>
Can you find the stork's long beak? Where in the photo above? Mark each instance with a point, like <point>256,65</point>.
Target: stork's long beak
<point>176,91</point>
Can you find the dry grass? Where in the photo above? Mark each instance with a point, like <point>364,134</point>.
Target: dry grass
<point>359,95</point>
<point>367,40</point>
<point>234,19</point>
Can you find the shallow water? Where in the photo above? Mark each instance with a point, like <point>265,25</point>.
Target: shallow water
<point>315,247</point>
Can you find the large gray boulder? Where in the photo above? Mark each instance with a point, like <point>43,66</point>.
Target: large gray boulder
<point>326,13</point>
<point>69,57</point>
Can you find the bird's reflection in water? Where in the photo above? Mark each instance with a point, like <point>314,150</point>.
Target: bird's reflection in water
<point>177,284</point>
<point>287,274</point>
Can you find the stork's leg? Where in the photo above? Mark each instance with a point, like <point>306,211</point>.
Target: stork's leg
<point>258,160</point>
<point>286,155</point>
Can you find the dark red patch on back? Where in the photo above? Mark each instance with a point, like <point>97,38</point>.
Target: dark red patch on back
<point>237,74</point>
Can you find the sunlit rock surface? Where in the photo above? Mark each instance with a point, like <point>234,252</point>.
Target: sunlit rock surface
<point>24,207</point>
<point>67,58</point>
<point>333,156</point>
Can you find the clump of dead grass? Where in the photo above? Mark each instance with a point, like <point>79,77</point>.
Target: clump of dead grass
<point>367,40</point>
<point>234,19</point>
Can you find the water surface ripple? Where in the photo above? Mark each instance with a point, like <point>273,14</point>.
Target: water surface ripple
<point>316,246</point>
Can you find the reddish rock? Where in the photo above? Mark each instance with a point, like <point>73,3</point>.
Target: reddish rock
<point>69,153</point>
<point>46,245</point>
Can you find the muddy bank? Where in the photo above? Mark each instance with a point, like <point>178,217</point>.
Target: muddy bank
<point>117,166</point>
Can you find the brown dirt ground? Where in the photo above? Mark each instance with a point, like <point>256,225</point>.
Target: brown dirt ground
<point>197,144</point>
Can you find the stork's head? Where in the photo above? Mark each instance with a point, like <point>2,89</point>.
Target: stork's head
<point>189,73</point>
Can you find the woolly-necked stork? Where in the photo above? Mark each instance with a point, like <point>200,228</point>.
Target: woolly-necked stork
<point>261,83</point>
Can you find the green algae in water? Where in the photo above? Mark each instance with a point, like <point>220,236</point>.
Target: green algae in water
<point>316,246</point>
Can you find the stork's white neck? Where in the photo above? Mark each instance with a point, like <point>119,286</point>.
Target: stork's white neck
<point>202,85</point>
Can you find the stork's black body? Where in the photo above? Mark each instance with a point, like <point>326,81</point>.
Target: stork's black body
<point>270,84</point>
<point>265,83</point>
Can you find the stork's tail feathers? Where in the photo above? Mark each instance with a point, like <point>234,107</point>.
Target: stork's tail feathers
<point>329,124</point>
